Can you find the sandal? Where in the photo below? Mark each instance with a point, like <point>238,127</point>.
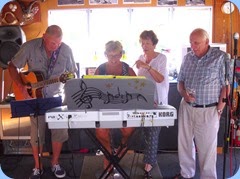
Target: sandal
<point>147,174</point>
<point>179,176</point>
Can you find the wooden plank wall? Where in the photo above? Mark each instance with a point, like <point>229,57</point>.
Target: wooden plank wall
<point>225,25</point>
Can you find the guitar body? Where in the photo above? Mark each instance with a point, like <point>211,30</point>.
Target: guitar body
<point>37,82</point>
<point>29,78</point>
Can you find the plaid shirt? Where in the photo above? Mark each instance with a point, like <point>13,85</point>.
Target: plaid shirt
<point>205,75</point>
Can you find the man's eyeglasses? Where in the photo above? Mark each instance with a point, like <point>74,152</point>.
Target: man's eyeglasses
<point>57,44</point>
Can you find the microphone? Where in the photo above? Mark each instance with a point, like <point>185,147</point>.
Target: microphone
<point>235,37</point>
<point>227,65</point>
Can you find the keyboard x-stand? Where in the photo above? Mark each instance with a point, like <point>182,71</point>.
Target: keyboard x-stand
<point>114,159</point>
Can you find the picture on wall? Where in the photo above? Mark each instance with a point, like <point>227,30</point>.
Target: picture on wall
<point>137,1</point>
<point>195,2</point>
<point>70,2</point>
<point>167,2</point>
<point>94,2</point>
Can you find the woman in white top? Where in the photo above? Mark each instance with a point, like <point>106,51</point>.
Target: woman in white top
<point>153,65</point>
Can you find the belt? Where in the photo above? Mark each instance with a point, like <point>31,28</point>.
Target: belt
<point>202,106</point>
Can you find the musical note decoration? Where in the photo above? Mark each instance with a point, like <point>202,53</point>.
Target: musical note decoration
<point>86,94</point>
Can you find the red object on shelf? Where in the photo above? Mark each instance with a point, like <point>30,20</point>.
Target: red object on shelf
<point>237,137</point>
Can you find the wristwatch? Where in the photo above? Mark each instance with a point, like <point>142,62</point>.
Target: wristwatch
<point>220,111</point>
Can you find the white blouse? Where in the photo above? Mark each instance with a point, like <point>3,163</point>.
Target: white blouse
<point>160,64</point>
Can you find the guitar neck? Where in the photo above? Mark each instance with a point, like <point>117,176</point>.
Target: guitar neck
<point>44,83</point>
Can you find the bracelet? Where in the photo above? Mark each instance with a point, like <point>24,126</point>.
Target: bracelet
<point>149,68</point>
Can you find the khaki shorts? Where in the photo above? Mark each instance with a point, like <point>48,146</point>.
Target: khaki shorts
<point>38,127</point>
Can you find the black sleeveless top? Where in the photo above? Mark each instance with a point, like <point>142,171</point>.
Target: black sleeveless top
<point>102,69</point>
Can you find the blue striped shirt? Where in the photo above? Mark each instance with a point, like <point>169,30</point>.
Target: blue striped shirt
<point>206,75</point>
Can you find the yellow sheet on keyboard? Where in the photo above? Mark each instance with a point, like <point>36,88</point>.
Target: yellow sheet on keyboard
<point>111,76</point>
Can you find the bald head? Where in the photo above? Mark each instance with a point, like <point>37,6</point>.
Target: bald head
<point>54,30</point>
<point>199,40</point>
<point>200,33</point>
<point>52,38</point>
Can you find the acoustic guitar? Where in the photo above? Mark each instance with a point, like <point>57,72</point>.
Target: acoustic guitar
<point>37,82</point>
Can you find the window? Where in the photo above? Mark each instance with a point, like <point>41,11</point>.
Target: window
<point>87,31</point>
<point>104,25</point>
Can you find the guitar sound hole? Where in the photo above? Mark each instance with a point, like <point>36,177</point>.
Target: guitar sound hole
<point>29,92</point>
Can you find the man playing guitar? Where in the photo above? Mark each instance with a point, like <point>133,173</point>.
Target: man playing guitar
<point>50,56</point>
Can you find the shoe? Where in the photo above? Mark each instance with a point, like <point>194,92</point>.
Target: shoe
<point>179,176</point>
<point>58,171</point>
<point>116,174</point>
<point>147,174</point>
<point>36,174</point>
<point>99,152</point>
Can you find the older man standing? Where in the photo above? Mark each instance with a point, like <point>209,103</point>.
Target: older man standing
<point>202,85</point>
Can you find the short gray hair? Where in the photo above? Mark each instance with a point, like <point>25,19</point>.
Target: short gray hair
<point>112,46</point>
<point>201,32</point>
<point>54,30</point>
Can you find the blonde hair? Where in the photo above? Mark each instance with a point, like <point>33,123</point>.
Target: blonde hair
<point>113,46</point>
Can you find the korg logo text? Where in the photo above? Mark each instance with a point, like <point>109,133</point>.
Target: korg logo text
<point>166,114</point>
